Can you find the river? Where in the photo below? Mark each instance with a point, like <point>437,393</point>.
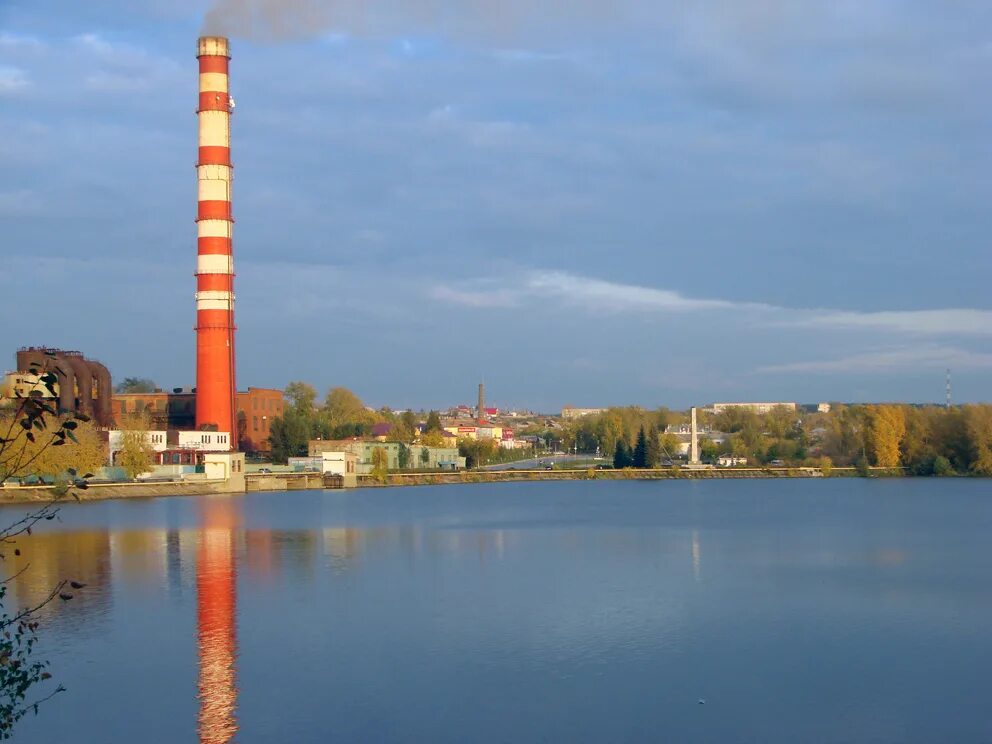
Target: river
<point>828,610</point>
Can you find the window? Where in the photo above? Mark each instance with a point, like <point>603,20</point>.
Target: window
<point>254,423</point>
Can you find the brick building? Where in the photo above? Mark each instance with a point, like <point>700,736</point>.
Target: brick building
<point>256,409</point>
<point>177,410</point>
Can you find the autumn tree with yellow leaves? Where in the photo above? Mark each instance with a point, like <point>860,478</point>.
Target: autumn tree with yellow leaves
<point>886,428</point>
<point>136,452</point>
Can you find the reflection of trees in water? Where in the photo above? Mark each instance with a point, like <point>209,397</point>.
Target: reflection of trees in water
<point>46,559</point>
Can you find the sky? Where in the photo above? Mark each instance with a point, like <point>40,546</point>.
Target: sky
<point>590,203</point>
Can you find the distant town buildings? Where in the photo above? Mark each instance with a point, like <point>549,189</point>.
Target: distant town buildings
<point>570,412</point>
<point>755,407</point>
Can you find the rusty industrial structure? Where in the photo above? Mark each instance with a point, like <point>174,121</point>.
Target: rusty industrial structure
<point>216,387</point>
<point>84,385</point>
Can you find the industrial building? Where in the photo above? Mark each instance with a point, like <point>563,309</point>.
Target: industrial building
<point>83,386</point>
<point>443,458</point>
<point>256,407</point>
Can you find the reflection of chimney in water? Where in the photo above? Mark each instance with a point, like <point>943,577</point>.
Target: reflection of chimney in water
<point>215,378</point>
<point>216,603</point>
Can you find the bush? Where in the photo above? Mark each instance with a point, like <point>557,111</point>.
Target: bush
<point>942,466</point>
<point>861,466</point>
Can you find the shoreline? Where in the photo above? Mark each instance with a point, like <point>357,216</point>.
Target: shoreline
<point>269,484</point>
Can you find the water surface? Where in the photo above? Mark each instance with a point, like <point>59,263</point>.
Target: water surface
<point>799,610</point>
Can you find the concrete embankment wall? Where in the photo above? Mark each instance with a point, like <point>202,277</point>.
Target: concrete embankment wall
<point>283,481</point>
<point>311,481</point>
<point>499,476</point>
<point>99,491</point>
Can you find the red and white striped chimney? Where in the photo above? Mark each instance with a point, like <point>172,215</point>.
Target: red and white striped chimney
<point>216,389</point>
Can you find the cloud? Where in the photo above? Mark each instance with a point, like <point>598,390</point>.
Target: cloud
<point>952,321</point>
<point>480,298</point>
<point>12,80</point>
<point>123,67</point>
<point>613,297</point>
<point>891,360</point>
<point>571,290</point>
<point>20,43</point>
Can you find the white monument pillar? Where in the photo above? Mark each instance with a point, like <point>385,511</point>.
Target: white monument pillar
<point>694,444</point>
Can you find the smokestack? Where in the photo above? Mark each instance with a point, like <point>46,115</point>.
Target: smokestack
<point>482,402</point>
<point>215,379</point>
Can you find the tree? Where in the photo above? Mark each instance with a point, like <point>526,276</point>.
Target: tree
<point>136,385</point>
<point>670,445</point>
<point>29,431</point>
<point>404,455</point>
<point>653,453</point>
<point>301,397</point>
<point>341,406</point>
<point>621,455</point>
<point>477,451</point>
<point>433,422</point>
<point>640,458</point>
<point>84,453</point>
<point>380,464</point>
<point>942,466</point>
<point>136,452</point>
<point>432,439</point>
<point>289,435</point>
<point>425,457</point>
<point>886,426</point>
<point>978,423</point>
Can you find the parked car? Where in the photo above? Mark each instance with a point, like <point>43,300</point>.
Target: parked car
<point>264,470</point>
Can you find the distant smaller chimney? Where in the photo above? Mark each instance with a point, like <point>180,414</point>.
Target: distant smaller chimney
<point>482,402</point>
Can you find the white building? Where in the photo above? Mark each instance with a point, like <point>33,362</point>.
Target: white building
<point>571,412</point>
<point>203,440</point>
<point>157,440</point>
<point>756,407</point>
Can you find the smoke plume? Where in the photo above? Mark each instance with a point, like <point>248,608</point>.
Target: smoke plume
<point>280,20</point>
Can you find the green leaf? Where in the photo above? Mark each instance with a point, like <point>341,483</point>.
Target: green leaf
<point>72,436</point>
<point>69,425</point>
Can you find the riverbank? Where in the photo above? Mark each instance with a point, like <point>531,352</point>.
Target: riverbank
<point>103,491</point>
<point>306,481</point>
<point>500,476</point>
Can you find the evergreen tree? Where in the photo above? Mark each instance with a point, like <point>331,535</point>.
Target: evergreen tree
<point>433,422</point>
<point>653,459</point>
<point>621,455</point>
<point>641,450</point>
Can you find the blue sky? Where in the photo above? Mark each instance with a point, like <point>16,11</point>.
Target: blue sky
<point>598,203</point>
